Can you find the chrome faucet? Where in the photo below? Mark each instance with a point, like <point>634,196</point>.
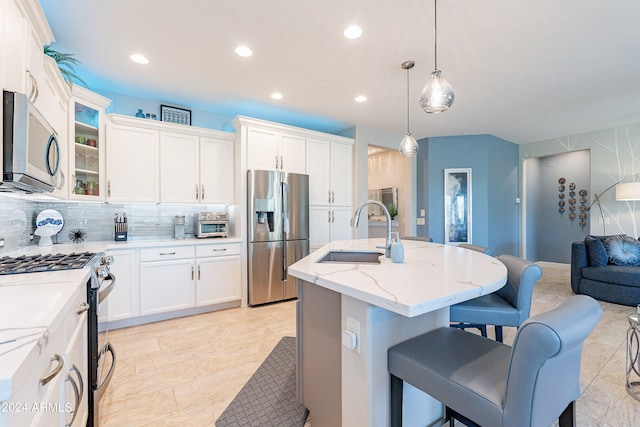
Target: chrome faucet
<point>356,219</point>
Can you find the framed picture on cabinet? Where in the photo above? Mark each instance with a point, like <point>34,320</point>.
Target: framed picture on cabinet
<point>175,115</point>
<point>457,206</point>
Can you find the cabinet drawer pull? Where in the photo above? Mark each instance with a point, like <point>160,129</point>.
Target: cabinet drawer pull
<point>202,192</point>
<point>78,396</point>
<point>192,273</point>
<point>167,253</point>
<point>83,307</point>
<point>198,272</point>
<point>276,161</point>
<point>108,188</point>
<point>220,250</point>
<point>80,382</point>
<point>47,379</point>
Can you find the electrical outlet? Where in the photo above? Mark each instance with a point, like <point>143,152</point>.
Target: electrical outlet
<point>353,326</point>
<point>420,221</point>
<point>422,212</point>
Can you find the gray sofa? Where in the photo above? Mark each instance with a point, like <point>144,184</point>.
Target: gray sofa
<point>613,283</point>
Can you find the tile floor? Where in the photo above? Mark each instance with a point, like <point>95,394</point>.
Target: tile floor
<point>184,372</point>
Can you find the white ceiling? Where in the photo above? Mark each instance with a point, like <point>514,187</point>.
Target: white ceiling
<point>522,70</point>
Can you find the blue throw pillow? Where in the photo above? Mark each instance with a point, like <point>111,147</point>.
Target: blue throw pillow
<point>623,250</point>
<point>596,252</point>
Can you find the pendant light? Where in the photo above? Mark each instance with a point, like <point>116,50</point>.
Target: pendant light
<point>437,95</point>
<point>408,145</point>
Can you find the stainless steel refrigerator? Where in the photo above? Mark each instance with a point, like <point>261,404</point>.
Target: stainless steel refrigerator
<point>278,235</point>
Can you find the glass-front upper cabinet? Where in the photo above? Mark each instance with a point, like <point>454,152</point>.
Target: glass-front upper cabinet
<point>87,153</point>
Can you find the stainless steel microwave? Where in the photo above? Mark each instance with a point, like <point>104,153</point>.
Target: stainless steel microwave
<point>30,148</point>
<point>212,224</point>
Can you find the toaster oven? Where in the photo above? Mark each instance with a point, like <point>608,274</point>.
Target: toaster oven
<point>212,224</point>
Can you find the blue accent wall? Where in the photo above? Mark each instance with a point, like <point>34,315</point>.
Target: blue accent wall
<point>495,183</point>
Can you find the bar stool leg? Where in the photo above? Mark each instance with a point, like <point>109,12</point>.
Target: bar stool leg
<point>396,401</point>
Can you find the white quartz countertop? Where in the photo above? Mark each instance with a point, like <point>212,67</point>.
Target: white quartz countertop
<point>103,246</point>
<point>433,275</point>
<point>32,307</point>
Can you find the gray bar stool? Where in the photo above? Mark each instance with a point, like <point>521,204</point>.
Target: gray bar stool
<point>487,383</point>
<point>477,248</point>
<point>508,306</point>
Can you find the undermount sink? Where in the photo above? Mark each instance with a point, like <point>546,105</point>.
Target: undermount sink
<point>351,257</point>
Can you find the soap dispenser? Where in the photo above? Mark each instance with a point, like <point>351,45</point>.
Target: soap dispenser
<point>397,249</point>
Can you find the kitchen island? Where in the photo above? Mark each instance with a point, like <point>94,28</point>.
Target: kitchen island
<point>346,383</point>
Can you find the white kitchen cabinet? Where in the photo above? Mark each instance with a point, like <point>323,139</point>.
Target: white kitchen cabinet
<point>124,299</point>
<point>133,166</point>
<point>217,170</point>
<point>196,169</point>
<point>179,154</point>
<point>330,169</point>
<point>24,32</point>
<point>75,387</point>
<point>218,274</point>
<point>46,397</point>
<point>272,149</point>
<point>167,279</point>
<point>329,223</point>
<point>87,145</point>
<point>14,27</point>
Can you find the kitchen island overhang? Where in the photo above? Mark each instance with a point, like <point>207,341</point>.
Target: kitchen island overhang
<point>390,303</point>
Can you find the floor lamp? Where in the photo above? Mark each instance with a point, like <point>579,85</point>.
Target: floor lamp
<point>625,191</point>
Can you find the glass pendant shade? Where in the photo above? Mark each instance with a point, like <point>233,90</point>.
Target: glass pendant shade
<point>408,146</point>
<point>437,95</point>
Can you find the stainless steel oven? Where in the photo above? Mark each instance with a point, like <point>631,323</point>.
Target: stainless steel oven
<point>212,224</point>
<point>102,355</point>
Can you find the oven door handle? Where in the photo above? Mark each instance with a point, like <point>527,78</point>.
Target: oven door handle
<point>102,387</point>
<point>104,293</point>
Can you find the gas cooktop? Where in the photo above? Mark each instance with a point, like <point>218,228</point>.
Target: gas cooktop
<point>39,263</point>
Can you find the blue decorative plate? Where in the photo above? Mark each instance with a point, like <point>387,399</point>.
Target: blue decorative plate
<point>51,220</point>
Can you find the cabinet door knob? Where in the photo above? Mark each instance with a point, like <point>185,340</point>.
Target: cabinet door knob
<point>83,308</point>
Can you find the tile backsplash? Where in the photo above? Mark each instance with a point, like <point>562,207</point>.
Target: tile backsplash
<point>96,219</point>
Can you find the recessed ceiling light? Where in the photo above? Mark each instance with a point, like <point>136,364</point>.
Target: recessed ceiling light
<point>361,98</point>
<point>276,95</point>
<point>140,59</point>
<point>353,32</point>
<point>244,51</point>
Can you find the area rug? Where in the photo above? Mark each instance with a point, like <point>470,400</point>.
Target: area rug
<point>269,397</point>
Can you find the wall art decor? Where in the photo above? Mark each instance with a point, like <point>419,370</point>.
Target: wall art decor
<point>175,115</point>
<point>457,205</point>
<point>583,208</point>
<point>561,188</point>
